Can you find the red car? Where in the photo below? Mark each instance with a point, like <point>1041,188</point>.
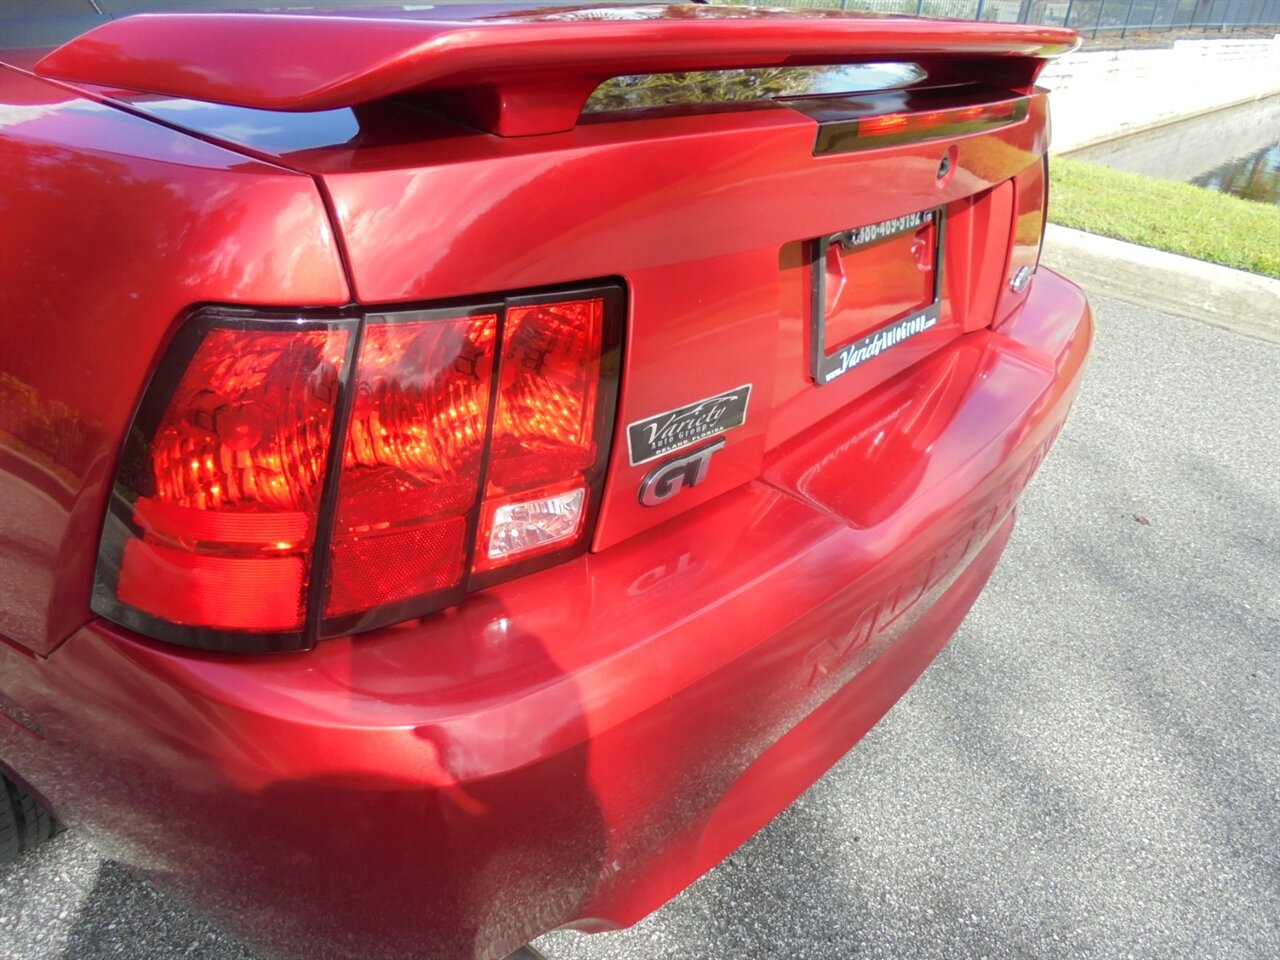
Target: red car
<point>464,470</point>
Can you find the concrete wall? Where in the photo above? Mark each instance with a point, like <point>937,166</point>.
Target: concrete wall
<point>1192,148</point>
<point>1105,94</point>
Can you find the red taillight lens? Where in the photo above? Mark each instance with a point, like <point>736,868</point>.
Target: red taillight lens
<point>913,114</point>
<point>212,521</point>
<point>412,463</point>
<point>544,427</point>
<point>902,128</point>
<point>888,123</point>
<point>473,441</point>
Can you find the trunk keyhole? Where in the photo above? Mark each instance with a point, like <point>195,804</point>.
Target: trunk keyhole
<point>947,166</point>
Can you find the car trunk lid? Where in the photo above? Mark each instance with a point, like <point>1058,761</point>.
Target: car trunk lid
<point>458,162</point>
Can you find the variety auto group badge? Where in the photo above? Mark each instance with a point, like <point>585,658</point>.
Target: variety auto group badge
<point>684,426</point>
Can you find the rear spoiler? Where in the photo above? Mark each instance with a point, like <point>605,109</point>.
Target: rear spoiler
<point>514,74</point>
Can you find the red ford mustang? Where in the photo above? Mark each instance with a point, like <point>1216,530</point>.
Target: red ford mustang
<point>464,470</point>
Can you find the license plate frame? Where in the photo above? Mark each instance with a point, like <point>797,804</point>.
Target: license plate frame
<point>827,365</point>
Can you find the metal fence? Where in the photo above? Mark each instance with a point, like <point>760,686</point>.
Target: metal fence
<point>1093,18</point>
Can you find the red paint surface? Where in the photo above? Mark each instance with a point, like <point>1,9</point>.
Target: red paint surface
<point>687,211</point>
<point>575,746</point>
<point>113,228</point>
<point>476,778</point>
<point>1029,211</point>
<point>515,74</point>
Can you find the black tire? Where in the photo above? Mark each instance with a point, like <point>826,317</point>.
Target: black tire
<point>23,822</point>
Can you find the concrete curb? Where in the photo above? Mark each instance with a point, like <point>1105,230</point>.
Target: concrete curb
<point>1240,301</point>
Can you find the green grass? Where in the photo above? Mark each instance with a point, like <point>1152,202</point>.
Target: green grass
<point>1177,217</point>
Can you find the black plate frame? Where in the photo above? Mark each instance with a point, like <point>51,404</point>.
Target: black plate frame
<point>826,367</point>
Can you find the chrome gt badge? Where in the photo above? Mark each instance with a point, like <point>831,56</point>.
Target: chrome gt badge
<point>667,479</point>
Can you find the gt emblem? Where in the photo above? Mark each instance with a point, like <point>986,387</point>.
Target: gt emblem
<point>667,479</point>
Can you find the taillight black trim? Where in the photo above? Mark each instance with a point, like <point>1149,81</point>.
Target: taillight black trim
<point>414,607</point>
<point>615,306</point>
<point>132,477</point>
<point>614,295</point>
<point>317,579</point>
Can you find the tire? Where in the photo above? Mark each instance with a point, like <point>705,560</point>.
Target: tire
<point>23,822</point>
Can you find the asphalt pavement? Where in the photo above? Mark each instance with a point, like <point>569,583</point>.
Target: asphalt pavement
<point>1090,769</point>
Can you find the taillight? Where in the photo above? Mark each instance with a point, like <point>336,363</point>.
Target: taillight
<point>212,523</point>
<point>287,478</point>
<point>412,462</point>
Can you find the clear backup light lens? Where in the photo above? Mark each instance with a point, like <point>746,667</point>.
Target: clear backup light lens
<point>527,525</point>
<point>549,437</point>
<point>213,516</point>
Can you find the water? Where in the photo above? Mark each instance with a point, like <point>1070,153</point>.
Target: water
<point>1236,150</point>
<point>1255,177</point>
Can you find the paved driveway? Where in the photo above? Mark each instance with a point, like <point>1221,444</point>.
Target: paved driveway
<point>1091,769</point>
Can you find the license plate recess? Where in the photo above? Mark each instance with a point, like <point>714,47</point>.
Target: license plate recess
<point>874,286</point>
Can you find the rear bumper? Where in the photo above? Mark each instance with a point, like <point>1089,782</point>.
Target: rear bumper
<point>576,747</point>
